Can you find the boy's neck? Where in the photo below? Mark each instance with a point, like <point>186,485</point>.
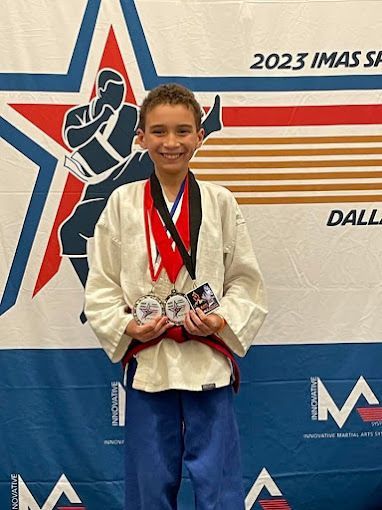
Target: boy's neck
<point>171,184</point>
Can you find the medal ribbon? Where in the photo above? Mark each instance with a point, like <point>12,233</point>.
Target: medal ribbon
<point>185,234</point>
<point>175,205</point>
<point>171,259</point>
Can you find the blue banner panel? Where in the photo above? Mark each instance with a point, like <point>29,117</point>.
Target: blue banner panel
<point>57,419</point>
<point>309,416</point>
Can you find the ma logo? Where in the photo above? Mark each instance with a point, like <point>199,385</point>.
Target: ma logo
<point>276,499</point>
<point>22,498</point>
<point>322,403</point>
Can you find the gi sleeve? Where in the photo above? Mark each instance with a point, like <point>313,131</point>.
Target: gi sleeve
<point>244,304</point>
<point>105,307</point>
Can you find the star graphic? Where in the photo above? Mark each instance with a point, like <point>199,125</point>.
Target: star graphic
<point>50,118</point>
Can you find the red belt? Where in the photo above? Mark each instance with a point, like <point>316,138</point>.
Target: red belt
<point>180,335</point>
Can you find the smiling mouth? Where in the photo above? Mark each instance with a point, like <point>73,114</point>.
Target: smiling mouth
<point>171,156</point>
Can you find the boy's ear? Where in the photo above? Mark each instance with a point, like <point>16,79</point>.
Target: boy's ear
<point>141,138</point>
<point>200,138</point>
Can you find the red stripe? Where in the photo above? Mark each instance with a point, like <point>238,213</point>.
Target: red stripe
<point>370,413</point>
<point>274,504</point>
<point>71,508</point>
<point>251,116</point>
<point>369,410</point>
<point>52,258</point>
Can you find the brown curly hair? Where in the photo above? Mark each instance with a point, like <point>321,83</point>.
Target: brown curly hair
<point>170,93</point>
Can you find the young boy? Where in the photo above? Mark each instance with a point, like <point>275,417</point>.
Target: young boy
<point>180,364</point>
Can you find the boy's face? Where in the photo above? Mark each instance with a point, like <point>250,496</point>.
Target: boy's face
<point>171,138</point>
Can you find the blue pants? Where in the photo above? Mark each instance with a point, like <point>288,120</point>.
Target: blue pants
<point>164,428</point>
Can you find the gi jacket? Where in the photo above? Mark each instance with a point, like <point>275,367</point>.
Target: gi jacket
<point>119,275</point>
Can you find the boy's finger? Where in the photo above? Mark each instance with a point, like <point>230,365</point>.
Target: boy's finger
<point>164,329</point>
<point>152,324</point>
<point>196,319</point>
<point>163,321</point>
<point>201,314</point>
<point>189,325</point>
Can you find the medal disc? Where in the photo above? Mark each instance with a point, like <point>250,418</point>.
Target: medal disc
<point>147,307</point>
<point>176,307</point>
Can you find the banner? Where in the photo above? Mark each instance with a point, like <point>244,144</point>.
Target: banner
<point>297,139</point>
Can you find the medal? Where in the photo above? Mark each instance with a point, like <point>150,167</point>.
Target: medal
<point>176,307</point>
<point>175,243</point>
<point>147,307</point>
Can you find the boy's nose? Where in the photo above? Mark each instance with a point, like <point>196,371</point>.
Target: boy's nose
<point>171,140</point>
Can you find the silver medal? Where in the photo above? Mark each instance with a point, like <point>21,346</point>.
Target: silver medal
<point>147,307</point>
<point>176,307</point>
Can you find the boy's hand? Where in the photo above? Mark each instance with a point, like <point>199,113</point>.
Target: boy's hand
<point>148,331</point>
<point>200,324</point>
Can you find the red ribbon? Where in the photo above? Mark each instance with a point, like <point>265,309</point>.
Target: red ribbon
<point>171,259</point>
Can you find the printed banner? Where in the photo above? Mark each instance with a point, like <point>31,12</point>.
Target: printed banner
<point>295,133</point>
